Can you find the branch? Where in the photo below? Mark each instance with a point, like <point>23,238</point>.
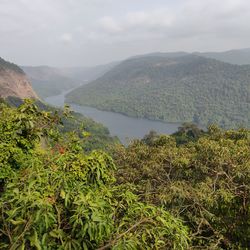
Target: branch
<point>123,234</point>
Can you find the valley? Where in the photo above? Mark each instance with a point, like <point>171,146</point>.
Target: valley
<point>124,125</point>
<point>87,176</point>
<point>126,128</point>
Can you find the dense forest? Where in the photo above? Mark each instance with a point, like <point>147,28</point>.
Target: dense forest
<point>186,88</point>
<point>189,190</point>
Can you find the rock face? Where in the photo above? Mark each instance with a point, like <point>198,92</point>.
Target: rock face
<point>13,82</point>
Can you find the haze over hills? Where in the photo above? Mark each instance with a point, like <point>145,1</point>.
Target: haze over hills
<point>87,73</point>
<point>186,88</point>
<point>48,81</point>
<point>236,56</point>
<point>13,81</point>
<point>239,56</point>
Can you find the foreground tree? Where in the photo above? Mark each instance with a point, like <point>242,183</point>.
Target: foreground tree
<point>206,182</point>
<point>55,196</point>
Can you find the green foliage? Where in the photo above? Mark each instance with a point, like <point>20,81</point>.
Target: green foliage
<point>20,130</point>
<point>205,181</point>
<point>96,135</point>
<point>186,191</point>
<point>181,89</point>
<point>55,196</point>
<point>188,132</point>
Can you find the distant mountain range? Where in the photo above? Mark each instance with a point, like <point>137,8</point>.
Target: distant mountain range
<point>13,82</point>
<point>49,81</point>
<point>173,87</point>
<point>240,56</point>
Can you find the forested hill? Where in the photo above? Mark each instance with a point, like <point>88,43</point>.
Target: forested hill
<point>182,89</point>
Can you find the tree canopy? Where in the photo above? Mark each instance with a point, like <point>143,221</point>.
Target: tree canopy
<point>56,196</point>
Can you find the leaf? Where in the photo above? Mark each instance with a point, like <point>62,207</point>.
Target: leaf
<point>34,240</point>
<point>62,194</point>
<point>18,222</point>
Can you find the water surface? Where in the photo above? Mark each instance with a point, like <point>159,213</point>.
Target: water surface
<point>126,128</point>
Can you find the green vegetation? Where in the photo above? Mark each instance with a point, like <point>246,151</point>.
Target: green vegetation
<point>53,195</point>
<point>189,190</point>
<point>96,135</point>
<point>188,132</point>
<point>179,89</point>
<point>206,182</point>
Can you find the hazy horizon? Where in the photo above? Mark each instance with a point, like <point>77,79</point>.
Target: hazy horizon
<point>124,58</point>
<point>70,33</point>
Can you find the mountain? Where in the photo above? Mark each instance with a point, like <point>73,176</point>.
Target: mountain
<point>13,82</point>
<point>84,74</point>
<point>162,54</point>
<point>240,56</point>
<point>49,81</point>
<point>187,88</point>
<point>236,56</point>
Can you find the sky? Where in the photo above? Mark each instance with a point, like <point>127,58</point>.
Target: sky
<point>66,33</point>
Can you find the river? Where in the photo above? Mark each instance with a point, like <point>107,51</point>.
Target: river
<point>126,128</point>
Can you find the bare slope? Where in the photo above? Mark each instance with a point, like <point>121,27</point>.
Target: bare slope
<point>13,82</point>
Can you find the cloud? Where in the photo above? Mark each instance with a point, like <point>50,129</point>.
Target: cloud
<point>191,18</point>
<point>143,20</point>
<point>109,25</point>
<point>102,30</point>
<point>131,26</point>
<point>158,18</point>
<point>66,37</point>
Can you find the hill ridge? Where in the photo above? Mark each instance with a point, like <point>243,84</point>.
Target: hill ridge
<point>189,88</point>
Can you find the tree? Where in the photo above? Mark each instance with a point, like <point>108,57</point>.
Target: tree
<point>204,181</point>
<point>55,196</point>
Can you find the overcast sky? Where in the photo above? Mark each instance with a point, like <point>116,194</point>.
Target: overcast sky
<point>90,32</point>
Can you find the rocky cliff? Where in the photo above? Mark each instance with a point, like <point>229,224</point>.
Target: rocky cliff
<point>13,82</point>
